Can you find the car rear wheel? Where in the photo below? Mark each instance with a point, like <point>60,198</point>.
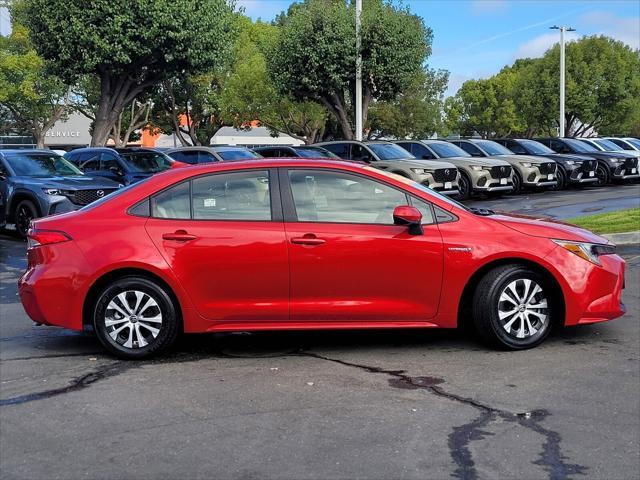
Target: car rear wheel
<point>602,174</point>
<point>512,308</point>
<point>25,212</point>
<point>135,318</point>
<point>464,187</point>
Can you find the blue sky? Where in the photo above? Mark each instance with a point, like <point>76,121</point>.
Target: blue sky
<point>476,38</point>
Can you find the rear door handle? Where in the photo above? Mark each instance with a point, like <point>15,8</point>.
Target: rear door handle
<point>179,236</point>
<point>308,239</point>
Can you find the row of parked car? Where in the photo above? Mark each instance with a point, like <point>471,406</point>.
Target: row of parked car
<point>35,183</point>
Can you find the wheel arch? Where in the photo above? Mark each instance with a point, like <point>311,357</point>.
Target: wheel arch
<point>19,196</point>
<point>464,318</point>
<point>113,275</point>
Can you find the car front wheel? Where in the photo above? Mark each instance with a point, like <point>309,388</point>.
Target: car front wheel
<point>135,318</point>
<point>512,308</point>
<point>25,212</point>
<point>602,174</point>
<point>464,187</point>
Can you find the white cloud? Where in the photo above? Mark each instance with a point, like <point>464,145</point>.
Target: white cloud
<point>624,29</point>
<point>538,45</point>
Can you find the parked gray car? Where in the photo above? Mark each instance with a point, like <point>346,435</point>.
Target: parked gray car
<point>36,183</point>
<point>442,177</point>
<point>485,175</point>
<point>606,145</point>
<point>529,171</point>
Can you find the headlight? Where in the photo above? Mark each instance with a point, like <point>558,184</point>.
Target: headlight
<point>419,171</point>
<point>587,251</point>
<point>52,191</point>
<point>477,168</point>
<point>570,162</point>
<point>617,160</point>
<point>526,164</point>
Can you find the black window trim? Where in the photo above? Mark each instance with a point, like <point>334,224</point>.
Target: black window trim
<point>274,198</point>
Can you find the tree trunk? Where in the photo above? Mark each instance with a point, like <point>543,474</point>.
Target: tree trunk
<point>115,93</point>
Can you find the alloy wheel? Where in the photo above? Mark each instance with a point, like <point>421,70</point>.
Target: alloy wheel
<point>133,319</point>
<point>23,215</point>
<point>523,309</point>
<point>601,175</point>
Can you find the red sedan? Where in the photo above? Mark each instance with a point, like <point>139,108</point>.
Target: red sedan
<point>308,244</point>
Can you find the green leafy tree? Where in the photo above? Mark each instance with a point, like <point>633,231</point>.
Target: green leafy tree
<point>415,113</point>
<point>35,99</point>
<point>130,45</point>
<point>250,94</point>
<point>485,107</point>
<point>314,57</point>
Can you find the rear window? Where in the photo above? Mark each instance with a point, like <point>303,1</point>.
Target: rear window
<point>147,162</point>
<point>239,154</point>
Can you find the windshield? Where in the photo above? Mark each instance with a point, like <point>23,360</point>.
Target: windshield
<point>535,148</point>
<point>308,152</point>
<point>447,150</point>
<point>607,145</point>
<point>389,151</point>
<point>635,142</point>
<point>239,154</point>
<point>147,162</point>
<point>579,146</point>
<point>40,164</point>
<point>493,148</point>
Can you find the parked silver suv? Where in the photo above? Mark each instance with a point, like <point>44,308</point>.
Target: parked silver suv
<point>440,176</point>
<point>485,175</point>
<point>529,171</point>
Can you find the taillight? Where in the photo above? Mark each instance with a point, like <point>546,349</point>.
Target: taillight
<point>36,238</point>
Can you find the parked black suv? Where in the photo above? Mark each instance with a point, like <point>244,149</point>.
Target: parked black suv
<point>572,168</point>
<point>122,165</point>
<point>36,183</point>
<point>286,151</point>
<point>611,165</point>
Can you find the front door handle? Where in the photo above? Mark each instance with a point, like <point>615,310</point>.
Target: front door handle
<point>308,239</point>
<point>179,236</point>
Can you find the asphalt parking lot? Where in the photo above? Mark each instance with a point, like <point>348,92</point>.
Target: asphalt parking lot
<point>316,405</point>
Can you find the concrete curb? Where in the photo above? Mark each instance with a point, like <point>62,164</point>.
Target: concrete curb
<point>629,238</point>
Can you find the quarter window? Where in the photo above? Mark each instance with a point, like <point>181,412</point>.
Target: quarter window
<point>337,197</point>
<point>172,203</point>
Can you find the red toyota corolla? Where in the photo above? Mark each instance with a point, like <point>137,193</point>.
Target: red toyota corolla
<point>308,244</point>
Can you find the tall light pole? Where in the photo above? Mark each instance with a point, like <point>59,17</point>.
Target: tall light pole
<point>562,71</point>
<point>358,71</point>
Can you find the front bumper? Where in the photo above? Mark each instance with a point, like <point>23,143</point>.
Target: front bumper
<point>582,173</point>
<point>445,188</point>
<point>627,170</point>
<point>592,293</point>
<point>533,177</point>
<point>486,181</point>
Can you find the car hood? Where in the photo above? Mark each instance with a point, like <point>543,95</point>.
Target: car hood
<point>69,183</point>
<point>417,163</point>
<point>546,227</point>
<point>484,161</point>
<point>515,159</point>
<point>564,157</point>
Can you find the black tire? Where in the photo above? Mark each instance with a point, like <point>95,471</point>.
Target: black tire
<point>517,183</point>
<point>602,174</point>
<point>24,212</point>
<point>561,182</point>
<point>464,187</point>
<point>164,307</point>
<point>487,303</point>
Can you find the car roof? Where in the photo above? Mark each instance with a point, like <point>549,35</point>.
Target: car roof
<point>26,150</point>
<point>227,148</point>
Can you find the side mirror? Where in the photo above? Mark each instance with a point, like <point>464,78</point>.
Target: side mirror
<point>427,156</point>
<point>410,217</point>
